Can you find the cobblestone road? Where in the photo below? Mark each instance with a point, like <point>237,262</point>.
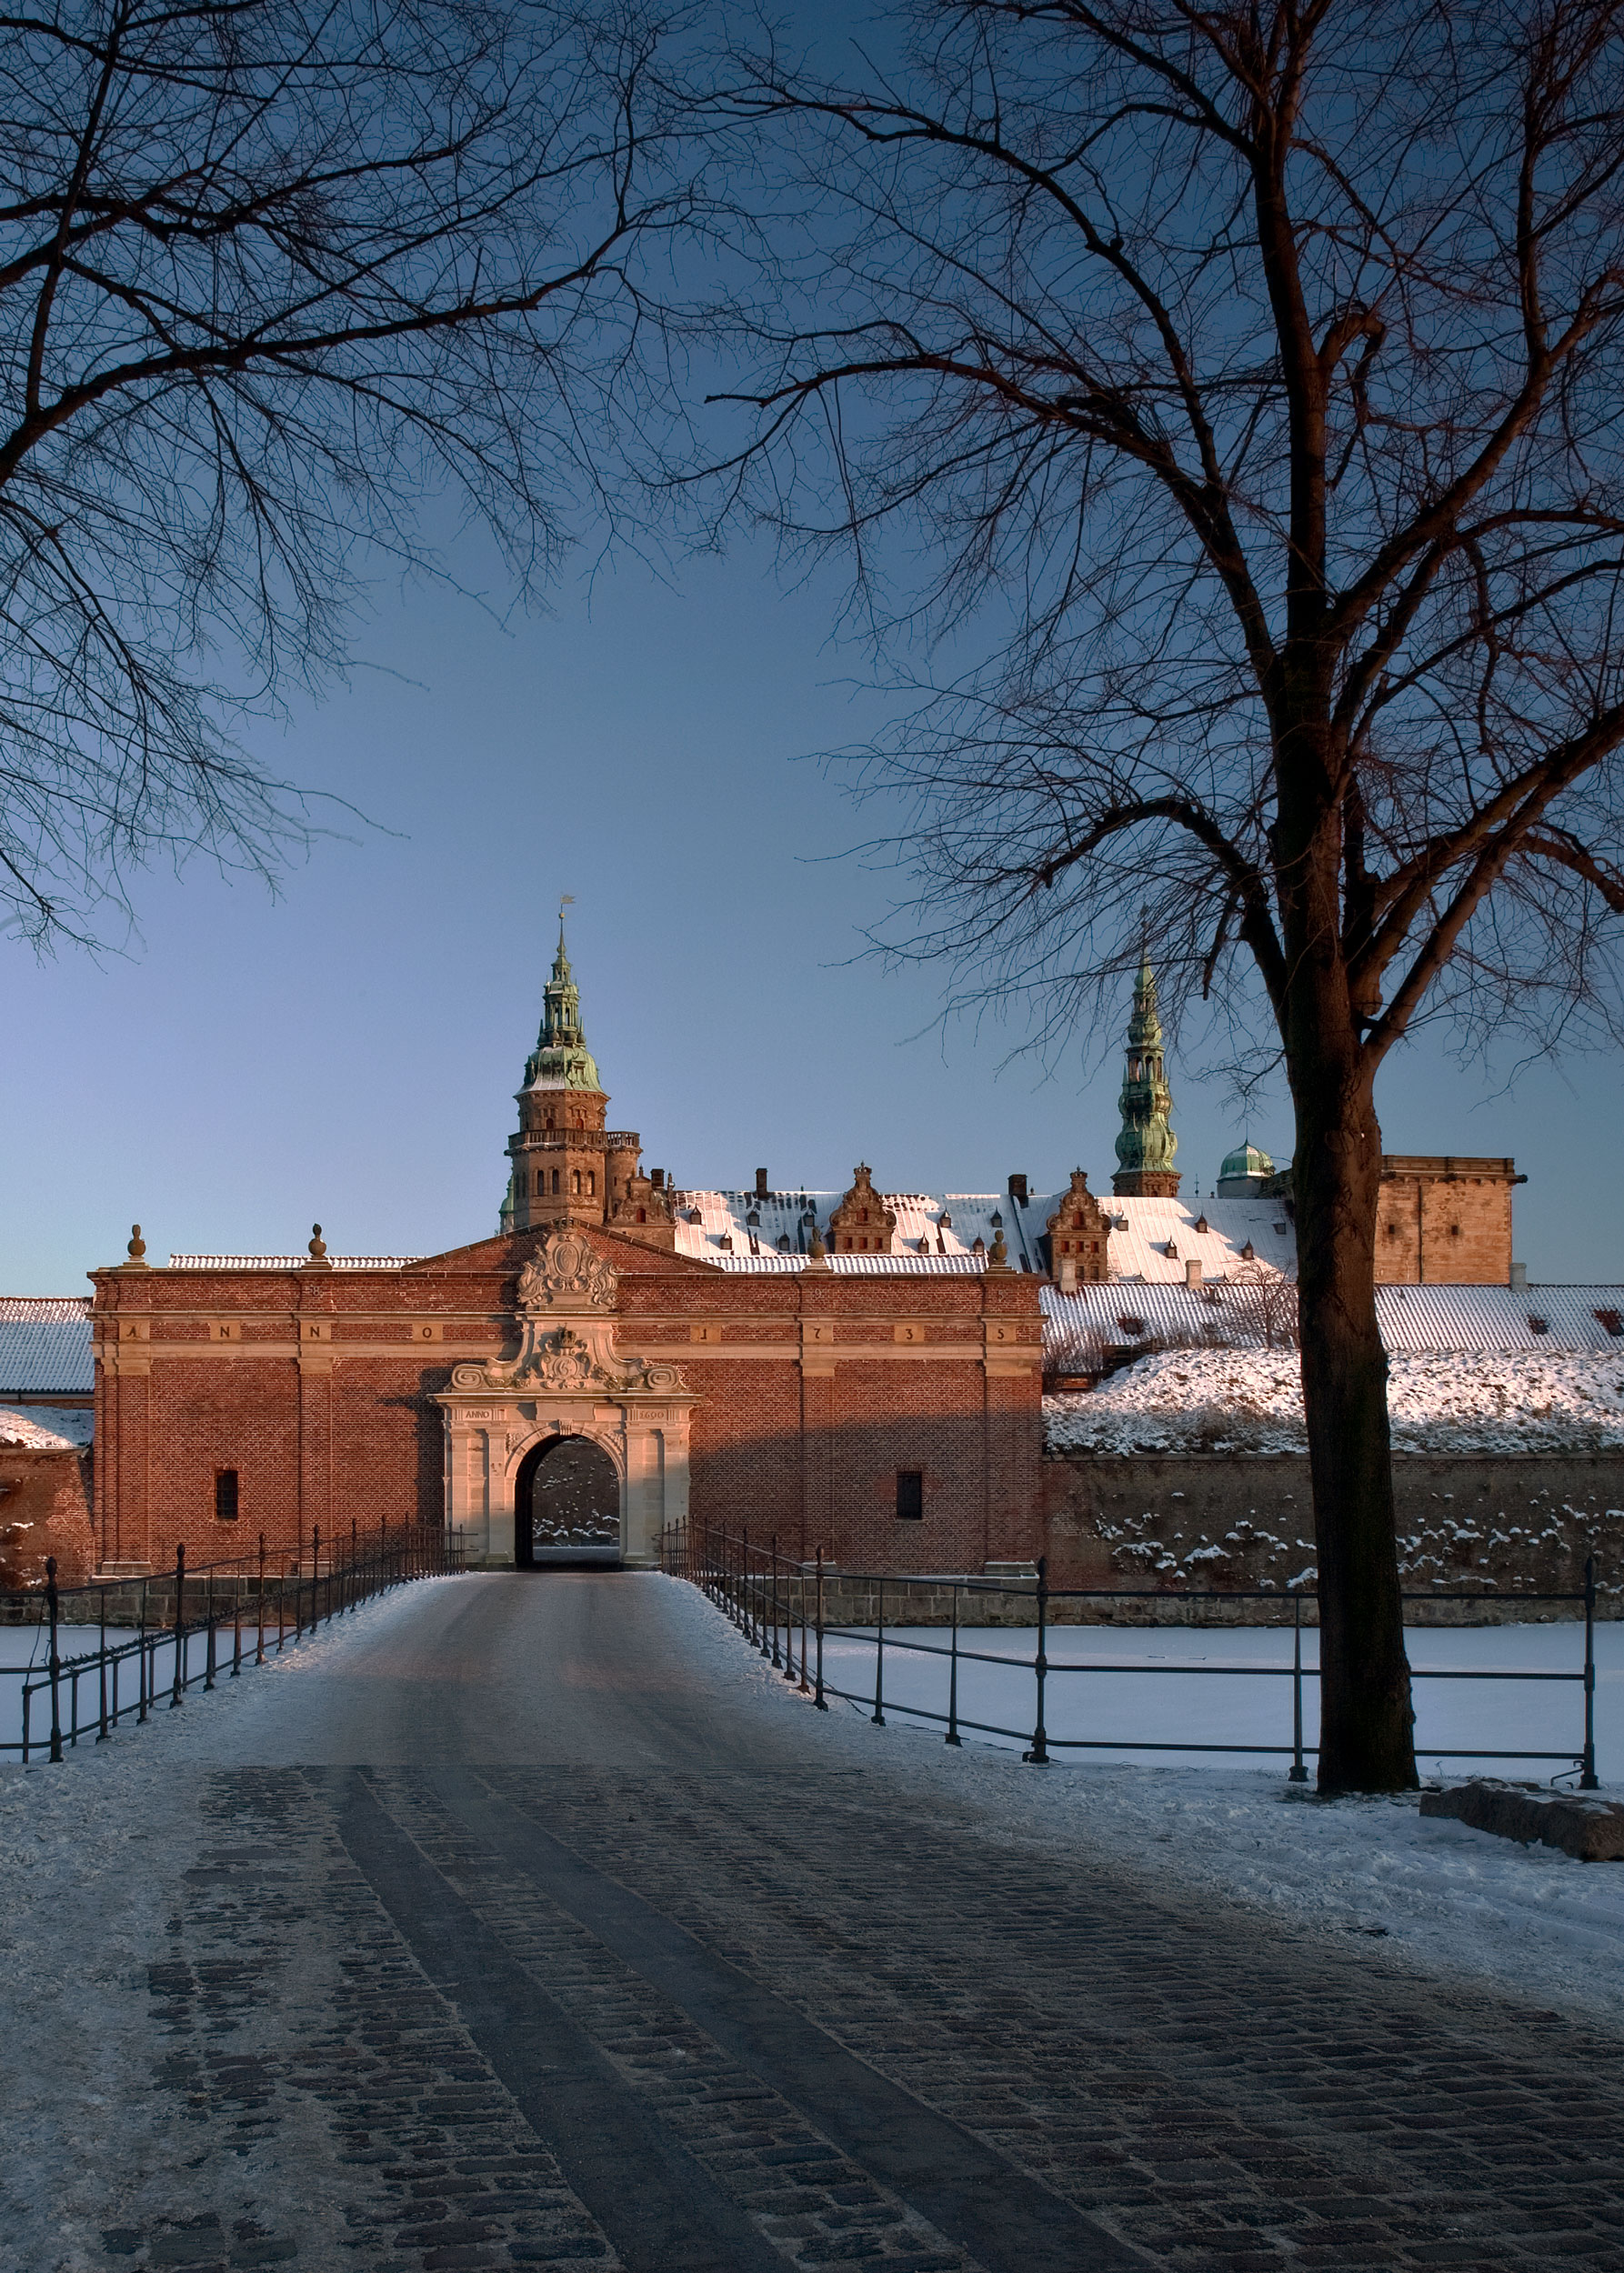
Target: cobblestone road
<point>560,1960</point>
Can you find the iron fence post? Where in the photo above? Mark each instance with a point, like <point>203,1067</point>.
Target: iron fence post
<point>1039,1756</point>
<point>315,1573</point>
<point>103,1732</point>
<point>819,1698</point>
<point>878,1715</point>
<point>350,1586</point>
<point>1297,1773</point>
<point>744,1582</point>
<point>208,1622</point>
<point>1587,1774</point>
<point>953,1735</point>
<point>53,1610</point>
<point>178,1691</point>
<point>236,1617</point>
<point>777,1609</point>
<point>141,1655</point>
<point>801,1573</point>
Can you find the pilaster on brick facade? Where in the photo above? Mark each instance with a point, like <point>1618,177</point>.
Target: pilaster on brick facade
<point>862,1224</point>
<point>1077,1235</point>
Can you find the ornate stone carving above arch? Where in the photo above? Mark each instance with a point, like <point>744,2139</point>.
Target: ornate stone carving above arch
<point>567,1377</point>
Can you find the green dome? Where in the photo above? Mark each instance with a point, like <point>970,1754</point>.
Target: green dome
<point>1248,1161</point>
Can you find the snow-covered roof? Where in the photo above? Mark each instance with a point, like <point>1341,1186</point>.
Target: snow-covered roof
<point>1250,1400</point>
<point>1141,1229</point>
<point>1416,1319</point>
<point>45,1345</point>
<point>47,1427</point>
<point>289,1262</point>
<point>857,1265</point>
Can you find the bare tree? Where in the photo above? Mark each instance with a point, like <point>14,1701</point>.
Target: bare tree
<point>1262,1303</point>
<point>273,272</point>
<point>1247,381</point>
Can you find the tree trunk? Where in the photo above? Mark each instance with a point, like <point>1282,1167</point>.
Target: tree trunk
<point>1367,1740</point>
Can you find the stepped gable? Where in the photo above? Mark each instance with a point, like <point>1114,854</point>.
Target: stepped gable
<point>1078,1236</point>
<point>863,1224</point>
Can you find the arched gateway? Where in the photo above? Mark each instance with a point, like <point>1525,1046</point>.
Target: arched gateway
<point>616,1426</point>
<point>566,1505</point>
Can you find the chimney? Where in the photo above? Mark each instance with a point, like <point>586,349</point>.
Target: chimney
<point>656,1176</point>
<point>761,1183</point>
<point>1018,1190</point>
<point>1192,1273</point>
<point>1068,1273</point>
<point>1520,1278</point>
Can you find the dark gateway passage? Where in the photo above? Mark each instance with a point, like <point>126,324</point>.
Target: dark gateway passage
<point>567,1505</point>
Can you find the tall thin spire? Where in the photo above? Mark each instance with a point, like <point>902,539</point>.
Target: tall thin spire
<point>561,1060</point>
<point>1146,1143</point>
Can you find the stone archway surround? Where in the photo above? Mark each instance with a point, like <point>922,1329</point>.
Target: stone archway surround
<point>567,1379</point>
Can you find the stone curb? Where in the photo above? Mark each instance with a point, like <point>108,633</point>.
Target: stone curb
<point>1592,1830</point>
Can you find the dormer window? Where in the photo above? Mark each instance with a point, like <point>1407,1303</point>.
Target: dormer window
<point>1538,1324</point>
<point>754,1218</point>
<point>1201,1223</point>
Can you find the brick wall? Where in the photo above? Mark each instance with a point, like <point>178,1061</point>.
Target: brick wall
<point>44,1509</point>
<point>814,1390</point>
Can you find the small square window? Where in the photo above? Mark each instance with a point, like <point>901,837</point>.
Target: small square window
<point>225,1495</point>
<point>910,1495</point>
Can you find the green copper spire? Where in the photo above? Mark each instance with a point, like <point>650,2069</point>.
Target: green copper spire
<point>1147,1143</point>
<point>561,1060</point>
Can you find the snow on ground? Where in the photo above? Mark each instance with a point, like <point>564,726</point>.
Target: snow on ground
<point>1440,1898</point>
<point>1250,1400</point>
<point>93,1858</point>
<point>47,1427</point>
<point>1232,1686</point>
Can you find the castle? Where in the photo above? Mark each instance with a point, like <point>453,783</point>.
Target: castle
<point>861,1371</point>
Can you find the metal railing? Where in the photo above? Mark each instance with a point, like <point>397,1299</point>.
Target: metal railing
<point>189,1627</point>
<point>768,1594</point>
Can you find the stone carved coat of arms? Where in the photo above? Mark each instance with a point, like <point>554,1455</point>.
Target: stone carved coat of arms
<point>567,1280</point>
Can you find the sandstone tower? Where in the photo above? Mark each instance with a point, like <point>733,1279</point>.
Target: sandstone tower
<point>567,1168</point>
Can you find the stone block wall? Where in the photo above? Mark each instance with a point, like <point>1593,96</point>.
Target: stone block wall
<point>1512,1527</point>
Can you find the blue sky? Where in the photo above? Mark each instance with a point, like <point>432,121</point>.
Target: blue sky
<point>349,1052</point>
